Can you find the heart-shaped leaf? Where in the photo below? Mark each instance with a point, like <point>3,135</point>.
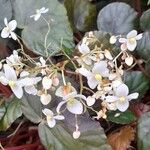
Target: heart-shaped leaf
<point>32,108</point>
<point>145,20</point>
<point>144,132</point>
<point>137,82</point>
<point>13,111</point>
<point>60,137</point>
<point>121,117</point>
<point>117,18</point>
<point>82,14</point>
<point>35,32</point>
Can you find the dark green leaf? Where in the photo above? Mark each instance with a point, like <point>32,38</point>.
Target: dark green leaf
<point>123,118</point>
<point>117,18</point>
<point>2,111</point>
<point>145,20</point>
<point>144,132</point>
<point>32,108</point>
<point>82,14</point>
<point>137,82</point>
<point>60,137</point>
<point>6,11</point>
<point>34,32</point>
<point>13,111</point>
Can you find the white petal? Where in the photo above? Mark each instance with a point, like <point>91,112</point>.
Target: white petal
<point>3,80</point>
<point>17,90</point>
<point>108,55</point>
<point>13,35</point>
<point>122,106</point>
<point>132,96</point>
<point>122,40</point>
<point>59,106</point>
<point>87,60</point>
<point>31,90</point>
<point>47,112</point>
<point>90,101</point>
<point>122,90</point>
<point>45,99</point>
<point>76,134</point>
<point>51,122</point>
<point>45,11</point>
<point>112,39</point>
<point>131,46</point>
<point>24,73</point>
<point>5,21</point>
<point>47,83</point>
<point>10,73</point>
<point>129,61</point>
<point>12,25</point>
<point>55,81</point>
<point>37,16</point>
<point>25,82</point>
<point>83,48</point>
<point>59,117</point>
<point>139,36</point>
<point>132,34</point>
<point>76,107</point>
<point>5,33</point>
<point>84,72</point>
<point>92,82</point>
<point>111,99</point>
<point>123,46</point>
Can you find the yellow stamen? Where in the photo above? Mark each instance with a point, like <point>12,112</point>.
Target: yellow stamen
<point>70,101</point>
<point>122,99</point>
<point>132,40</point>
<point>98,77</point>
<point>11,83</point>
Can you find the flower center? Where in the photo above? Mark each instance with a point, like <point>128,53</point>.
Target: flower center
<point>49,117</point>
<point>37,11</point>
<point>70,101</point>
<point>122,99</point>
<point>98,77</point>
<point>11,83</point>
<point>132,40</point>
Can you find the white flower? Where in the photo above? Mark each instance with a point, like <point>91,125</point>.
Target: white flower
<point>45,99</point>
<point>72,103</point>
<point>113,39</point>
<point>121,98</point>
<point>43,65</point>
<point>10,78</point>
<point>8,30</point>
<point>51,119</point>
<point>76,134</point>
<point>47,83</point>
<point>99,71</point>
<point>13,59</point>
<point>130,42</point>
<point>36,16</point>
<point>90,101</point>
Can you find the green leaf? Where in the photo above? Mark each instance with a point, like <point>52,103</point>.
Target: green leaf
<point>82,14</point>
<point>60,137</point>
<point>6,11</point>
<point>32,108</point>
<point>123,118</point>
<point>144,132</point>
<point>117,18</point>
<point>137,82</point>
<point>145,20</point>
<point>2,111</point>
<point>148,2</point>
<point>143,47</point>
<point>34,32</point>
<point>13,111</point>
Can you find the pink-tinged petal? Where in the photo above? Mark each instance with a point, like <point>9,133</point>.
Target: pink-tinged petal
<point>12,25</point>
<point>122,40</point>
<point>31,90</point>
<point>47,112</point>
<point>10,73</point>
<point>5,21</point>
<point>5,33</point>
<point>123,46</point>
<point>132,96</point>
<point>132,34</point>
<point>122,106</point>
<point>131,46</point>
<point>51,122</point>
<point>3,80</point>
<point>139,36</point>
<point>84,49</point>
<point>92,82</point>
<point>13,35</point>
<point>111,99</point>
<point>18,91</point>
<point>45,99</point>
<point>37,16</point>
<point>75,107</point>
<point>59,117</point>
<point>122,90</point>
<point>59,106</point>
<point>84,72</point>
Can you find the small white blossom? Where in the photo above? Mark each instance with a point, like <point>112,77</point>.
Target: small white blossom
<point>8,30</point>
<point>51,119</point>
<point>99,71</point>
<point>36,16</point>
<point>47,83</point>
<point>76,134</point>
<point>121,98</point>
<point>90,101</point>
<point>130,42</point>
<point>45,99</point>
<point>113,39</point>
<point>129,60</point>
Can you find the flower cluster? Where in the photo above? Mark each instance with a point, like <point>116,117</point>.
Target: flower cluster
<point>96,65</point>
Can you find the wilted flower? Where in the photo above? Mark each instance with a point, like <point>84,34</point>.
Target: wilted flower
<point>36,16</point>
<point>121,98</point>
<point>8,30</point>
<point>51,119</point>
